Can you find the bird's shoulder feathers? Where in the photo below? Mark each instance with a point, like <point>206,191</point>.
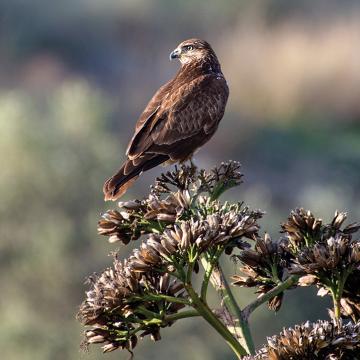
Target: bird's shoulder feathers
<point>179,110</point>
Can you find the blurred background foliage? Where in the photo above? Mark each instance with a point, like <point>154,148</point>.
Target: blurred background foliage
<point>74,77</point>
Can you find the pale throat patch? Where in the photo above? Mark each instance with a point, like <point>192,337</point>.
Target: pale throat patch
<point>195,56</point>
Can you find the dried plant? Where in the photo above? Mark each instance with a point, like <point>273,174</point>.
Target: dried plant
<point>123,302</point>
<point>183,227</point>
<point>264,268</point>
<point>321,340</point>
<point>326,255</point>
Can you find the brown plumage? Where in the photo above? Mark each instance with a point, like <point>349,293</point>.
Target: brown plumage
<point>181,117</point>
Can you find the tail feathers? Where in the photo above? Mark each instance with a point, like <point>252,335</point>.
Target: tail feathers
<point>117,185</point>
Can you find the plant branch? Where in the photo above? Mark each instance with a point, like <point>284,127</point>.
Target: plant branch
<point>336,302</point>
<point>181,315</point>
<point>208,264</point>
<point>167,298</point>
<point>212,319</point>
<point>150,314</point>
<point>290,281</point>
<point>234,313</point>
<point>336,289</point>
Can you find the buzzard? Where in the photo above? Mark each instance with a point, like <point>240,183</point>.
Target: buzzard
<point>180,118</point>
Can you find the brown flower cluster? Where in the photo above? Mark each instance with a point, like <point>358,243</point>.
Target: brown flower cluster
<point>181,219</point>
<point>320,261</point>
<point>181,178</point>
<point>123,302</point>
<point>326,255</point>
<point>174,197</point>
<point>219,178</point>
<point>303,229</point>
<point>185,241</point>
<point>174,207</point>
<point>125,225</point>
<point>178,196</point>
<point>264,268</point>
<point>136,218</point>
<point>321,340</point>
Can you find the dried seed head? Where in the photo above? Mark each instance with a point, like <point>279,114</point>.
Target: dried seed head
<point>180,179</point>
<point>337,253</point>
<point>118,293</point>
<point>320,340</point>
<point>302,229</point>
<point>263,268</point>
<point>119,226</point>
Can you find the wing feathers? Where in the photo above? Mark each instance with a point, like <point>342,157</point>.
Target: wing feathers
<point>117,185</point>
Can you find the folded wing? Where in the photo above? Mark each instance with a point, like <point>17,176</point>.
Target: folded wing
<point>180,118</point>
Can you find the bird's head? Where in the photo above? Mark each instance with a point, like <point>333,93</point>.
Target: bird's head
<point>193,50</point>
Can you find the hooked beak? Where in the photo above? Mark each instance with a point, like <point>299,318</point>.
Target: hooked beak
<point>175,54</point>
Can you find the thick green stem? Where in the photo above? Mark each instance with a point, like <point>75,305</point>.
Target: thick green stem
<point>211,318</point>
<point>167,319</point>
<point>290,281</point>
<point>150,314</point>
<point>336,302</point>
<point>167,298</point>
<point>234,314</point>
<point>189,272</point>
<point>234,310</point>
<point>208,265</point>
<point>181,315</point>
<point>336,290</point>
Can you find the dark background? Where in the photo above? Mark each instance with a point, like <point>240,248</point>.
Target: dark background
<point>76,74</point>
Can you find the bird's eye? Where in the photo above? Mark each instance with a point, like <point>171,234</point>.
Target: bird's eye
<point>188,47</point>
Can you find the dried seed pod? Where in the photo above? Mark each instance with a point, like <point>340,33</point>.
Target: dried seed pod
<point>320,340</point>
<point>263,268</point>
<point>115,296</point>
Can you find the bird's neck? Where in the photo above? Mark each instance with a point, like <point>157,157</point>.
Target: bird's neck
<point>203,66</point>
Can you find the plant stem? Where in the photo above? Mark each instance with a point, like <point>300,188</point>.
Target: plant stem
<point>336,290</point>
<point>291,280</point>
<point>168,298</point>
<point>234,310</point>
<point>211,318</point>
<point>336,302</point>
<point>189,272</point>
<point>208,265</point>
<point>150,314</point>
<point>214,272</point>
<point>182,315</point>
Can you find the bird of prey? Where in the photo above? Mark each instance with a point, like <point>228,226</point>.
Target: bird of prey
<point>180,118</point>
